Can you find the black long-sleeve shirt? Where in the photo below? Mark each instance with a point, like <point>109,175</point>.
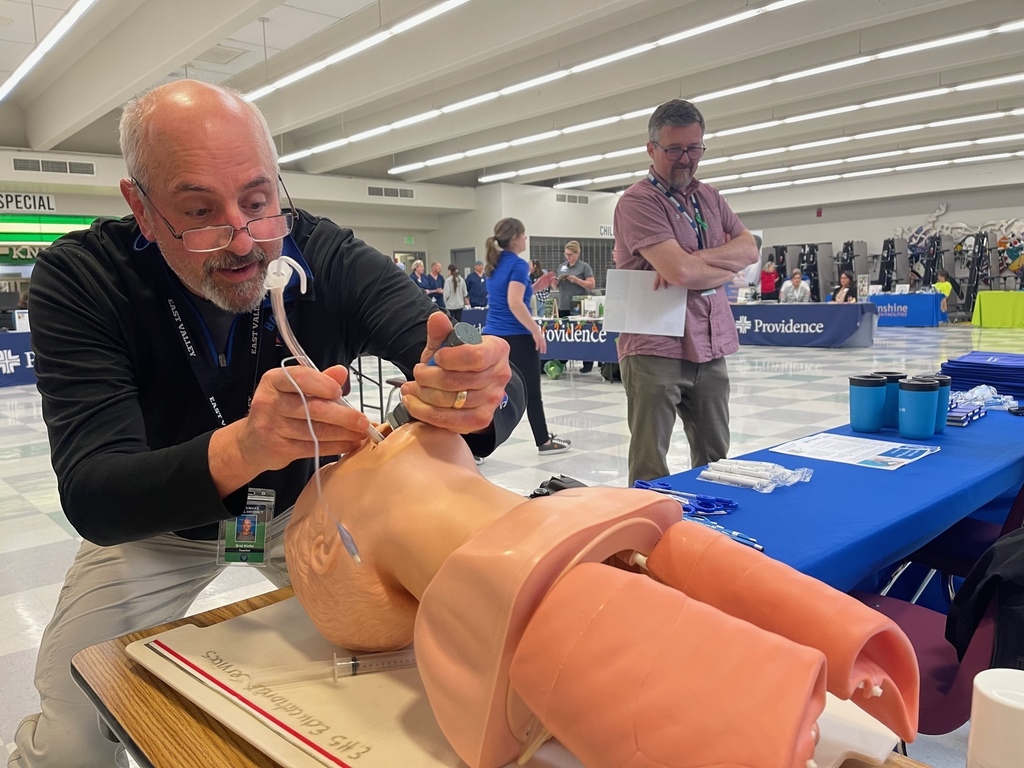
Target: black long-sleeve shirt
<point>128,410</point>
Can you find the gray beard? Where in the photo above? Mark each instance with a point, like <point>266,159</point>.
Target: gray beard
<point>241,297</point>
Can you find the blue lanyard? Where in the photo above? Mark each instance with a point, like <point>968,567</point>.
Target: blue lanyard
<point>698,225</point>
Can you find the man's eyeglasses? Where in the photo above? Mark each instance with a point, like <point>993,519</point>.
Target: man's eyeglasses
<point>696,152</point>
<point>265,229</point>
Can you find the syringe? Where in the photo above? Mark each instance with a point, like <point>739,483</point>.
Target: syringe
<point>339,666</point>
<point>279,272</point>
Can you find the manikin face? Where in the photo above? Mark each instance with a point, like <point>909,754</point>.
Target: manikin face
<point>678,173</point>
<point>213,168</point>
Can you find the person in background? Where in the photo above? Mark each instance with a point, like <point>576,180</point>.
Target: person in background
<point>575,278</point>
<point>846,291</point>
<point>685,231</point>
<point>796,290</point>
<point>943,286</point>
<point>770,282</point>
<point>435,284</point>
<point>476,284</point>
<point>455,295</point>
<point>417,275</point>
<point>509,289</point>
<point>542,282</point>
<point>162,386</point>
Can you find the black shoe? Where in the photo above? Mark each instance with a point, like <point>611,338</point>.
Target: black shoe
<point>587,368</point>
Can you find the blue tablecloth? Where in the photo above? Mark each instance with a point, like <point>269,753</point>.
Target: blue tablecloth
<point>848,522</point>
<point>917,309</point>
<point>805,325</point>
<point>17,361</point>
<point>568,339</point>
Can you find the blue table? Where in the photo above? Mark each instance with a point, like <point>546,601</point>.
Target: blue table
<point>916,309</point>
<point>568,338</point>
<point>17,360</point>
<point>806,325</point>
<point>849,522</point>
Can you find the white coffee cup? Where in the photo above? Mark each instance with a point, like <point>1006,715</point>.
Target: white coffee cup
<point>997,720</point>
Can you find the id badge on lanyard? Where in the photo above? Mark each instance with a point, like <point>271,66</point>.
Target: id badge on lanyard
<point>243,539</point>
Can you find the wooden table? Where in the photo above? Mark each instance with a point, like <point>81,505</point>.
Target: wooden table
<point>162,729</point>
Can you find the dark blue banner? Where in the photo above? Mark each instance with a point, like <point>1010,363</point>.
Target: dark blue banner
<point>917,309</point>
<point>568,338</point>
<point>17,360</point>
<point>805,325</point>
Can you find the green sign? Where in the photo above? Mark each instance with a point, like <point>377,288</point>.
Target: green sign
<point>410,240</point>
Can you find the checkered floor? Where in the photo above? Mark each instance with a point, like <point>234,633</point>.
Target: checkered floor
<point>778,393</point>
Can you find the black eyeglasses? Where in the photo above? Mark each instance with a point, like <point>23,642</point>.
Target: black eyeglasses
<point>696,152</point>
<point>265,229</point>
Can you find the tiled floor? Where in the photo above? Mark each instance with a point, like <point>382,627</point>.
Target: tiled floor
<point>777,394</point>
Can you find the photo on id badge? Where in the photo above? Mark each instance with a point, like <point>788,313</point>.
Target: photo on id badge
<point>243,538</point>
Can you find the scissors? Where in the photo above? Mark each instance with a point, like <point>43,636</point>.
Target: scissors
<point>700,504</point>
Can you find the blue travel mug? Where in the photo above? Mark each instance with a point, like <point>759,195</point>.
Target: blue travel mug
<point>891,413</point>
<point>867,401</point>
<point>942,406</point>
<point>918,401</point>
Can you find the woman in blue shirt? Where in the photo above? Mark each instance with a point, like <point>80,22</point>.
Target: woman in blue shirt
<point>509,289</point>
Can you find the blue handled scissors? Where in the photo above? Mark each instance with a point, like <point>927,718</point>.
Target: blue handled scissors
<point>699,504</point>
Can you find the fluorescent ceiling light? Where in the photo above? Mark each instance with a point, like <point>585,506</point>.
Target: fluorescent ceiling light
<point>906,97</point>
<point>537,169</point>
<point>592,124</point>
<point>446,159</point>
<point>732,91</point>
<point>888,131</point>
<point>940,147</point>
<point>613,57</point>
<point>61,28</point>
<point>427,15</point>
<point>472,102</point>
<point>416,118</point>
<point>809,166</point>
<point>497,177</point>
<point>994,139</point>
<point>872,172</point>
<point>714,179</point>
<point>557,75</point>
<point>986,83</point>
<point>980,158</point>
<point>816,179</point>
<point>577,183</point>
<point>489,148</point>
<point>876,156</point>
<point>534,137</point>
<point>773,185</point>
<point>823,69</point>
<point>639,113</point>
<point>353,49</point>
<point>822,143</point>
<point>295,156</point>
<point>624,152</point>
<point>580,161</point>
<point>822,113</point>
<point>748,128</point>
<point>962,38</point>
<point>917,166</point>
<point>372,132</point>
<point>765,172</point>
<point>728,20</point>
<point>407,168</point>
<point>759,153</point>
<point>968,119</point>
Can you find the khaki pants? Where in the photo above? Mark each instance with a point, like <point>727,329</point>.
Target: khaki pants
<point>108,592</point>
<point>659,388</point>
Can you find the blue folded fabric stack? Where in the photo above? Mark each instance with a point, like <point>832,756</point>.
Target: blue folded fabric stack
<point>1002,370</point>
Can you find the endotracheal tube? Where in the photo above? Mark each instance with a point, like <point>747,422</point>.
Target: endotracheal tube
<point>279,272</point>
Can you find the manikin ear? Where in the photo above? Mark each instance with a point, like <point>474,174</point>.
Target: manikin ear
<point>324,552</point>
<point>133,197</point>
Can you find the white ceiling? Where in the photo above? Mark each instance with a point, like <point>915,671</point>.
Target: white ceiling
<point>70,103</point>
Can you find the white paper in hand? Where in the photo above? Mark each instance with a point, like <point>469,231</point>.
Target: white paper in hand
<point>631,304</point>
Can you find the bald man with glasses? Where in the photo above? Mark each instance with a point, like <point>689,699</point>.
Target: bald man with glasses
<point>160,368</point>
<point>682,229</point>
